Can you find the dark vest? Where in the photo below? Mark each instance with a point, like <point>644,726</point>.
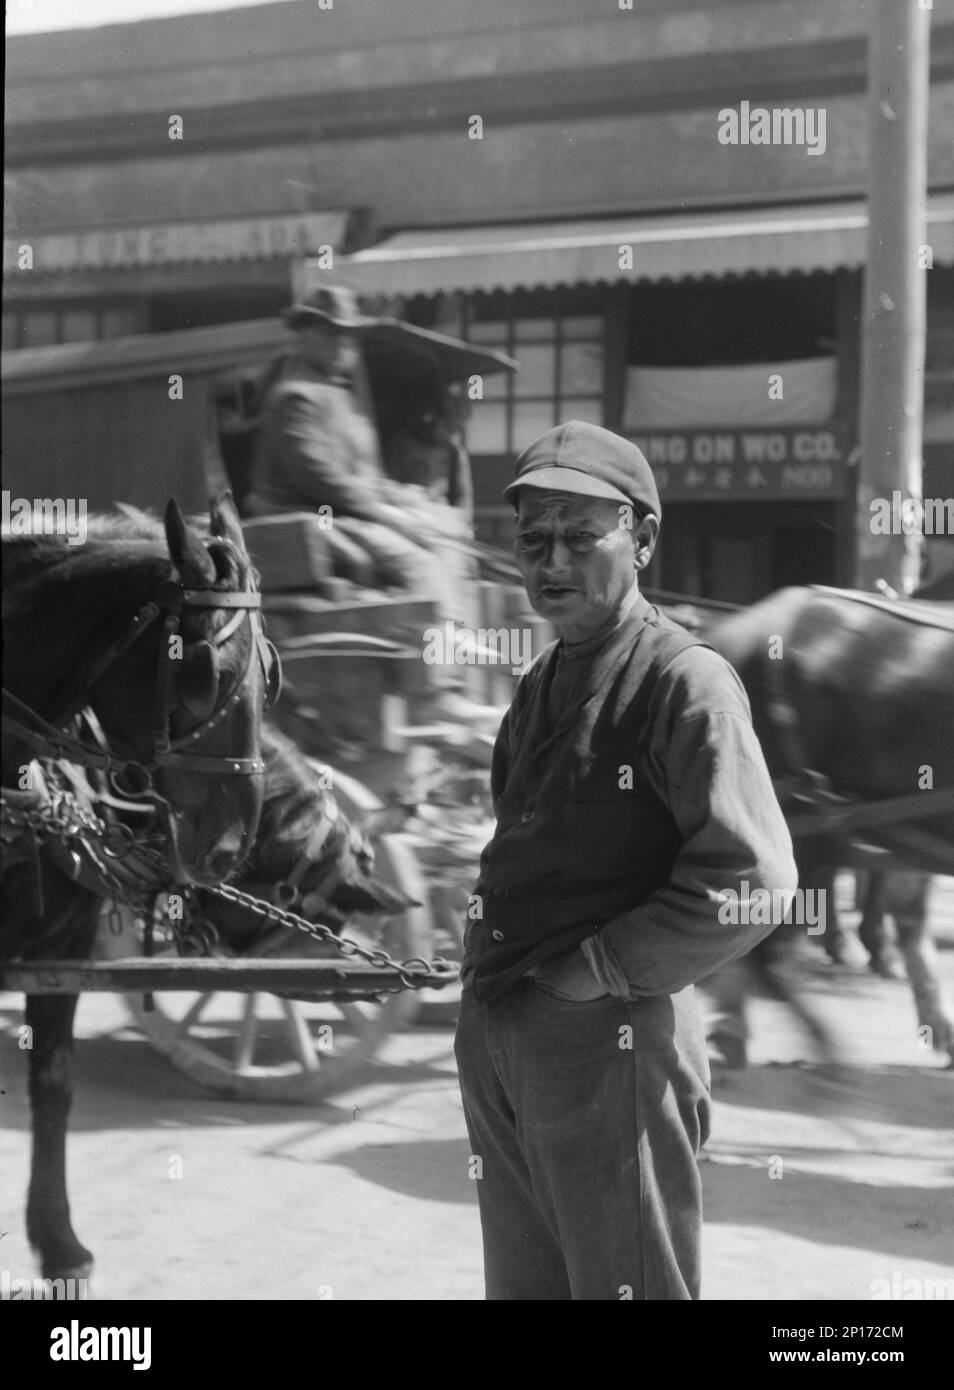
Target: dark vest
<point>578,840</point>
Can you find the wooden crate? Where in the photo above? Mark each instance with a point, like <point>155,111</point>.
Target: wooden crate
<point>347,694</point>
<point>349,690</point>
<point>299,615</point>
<point>290,551</point>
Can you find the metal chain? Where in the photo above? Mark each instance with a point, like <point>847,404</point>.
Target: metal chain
<point>60,813</point>
<point>62,816</point>
<point>414,973</point>
<point>193,934</point>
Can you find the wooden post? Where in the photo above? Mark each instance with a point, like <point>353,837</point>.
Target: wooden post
<point>895,293</point>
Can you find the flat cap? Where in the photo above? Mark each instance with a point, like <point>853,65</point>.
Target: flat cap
<point>584,458</point>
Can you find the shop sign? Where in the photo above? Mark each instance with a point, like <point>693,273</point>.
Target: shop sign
<point>719,464</point>
<point>178,243</point>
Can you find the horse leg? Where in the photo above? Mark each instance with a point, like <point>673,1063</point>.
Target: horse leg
<point>774,963</point>
<point>725,1014</point>
<point>813,874</point>
<point>873,930</point>
<point>50,1017</point>
<point>909,894</point>
<point>67,932</point>
<point>861,883</point>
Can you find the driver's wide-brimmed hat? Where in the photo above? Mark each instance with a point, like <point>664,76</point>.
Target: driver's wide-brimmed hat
<point>329,304</point>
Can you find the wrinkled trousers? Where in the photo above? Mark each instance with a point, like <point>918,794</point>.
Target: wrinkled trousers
<point>586,1119</point>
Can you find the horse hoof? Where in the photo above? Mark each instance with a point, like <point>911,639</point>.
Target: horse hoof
<point>80,1268</point>
<point>69,1285</point>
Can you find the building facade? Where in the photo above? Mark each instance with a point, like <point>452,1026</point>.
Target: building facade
<point>557,178</point>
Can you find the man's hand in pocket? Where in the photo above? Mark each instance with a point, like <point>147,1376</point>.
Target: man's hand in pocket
<point>570,976</point>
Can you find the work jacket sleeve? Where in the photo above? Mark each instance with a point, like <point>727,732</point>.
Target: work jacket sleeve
<point>735,876</point>
<point>316,454</point>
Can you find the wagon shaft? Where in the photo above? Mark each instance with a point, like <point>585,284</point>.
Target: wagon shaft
<point>314,978</point>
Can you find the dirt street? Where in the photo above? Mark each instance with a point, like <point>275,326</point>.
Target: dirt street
<point>815,1186</point>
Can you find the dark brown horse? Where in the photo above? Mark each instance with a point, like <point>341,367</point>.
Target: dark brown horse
<point>852,697</point>
<point>902,896</point>
<point>154,633</point>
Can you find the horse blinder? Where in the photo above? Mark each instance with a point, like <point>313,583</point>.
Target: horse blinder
<point>169,753</point>
<point>273,673</point>
<point>199,678</point>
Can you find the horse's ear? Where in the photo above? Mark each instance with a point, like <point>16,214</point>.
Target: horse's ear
<point>198,684</point>
<point>189,555</point>
<point>225,520</point>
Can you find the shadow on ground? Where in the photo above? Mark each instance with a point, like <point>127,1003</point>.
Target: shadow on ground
<point>121,1083</point>
<point>908,1222</point>
<point>908,1096</point>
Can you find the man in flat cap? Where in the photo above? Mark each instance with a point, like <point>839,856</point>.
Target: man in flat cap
<point>631,795</point>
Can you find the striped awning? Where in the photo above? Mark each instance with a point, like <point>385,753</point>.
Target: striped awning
<point>813,237</point>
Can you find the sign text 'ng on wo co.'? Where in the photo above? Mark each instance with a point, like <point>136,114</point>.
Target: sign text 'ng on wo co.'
<point>702,464</point>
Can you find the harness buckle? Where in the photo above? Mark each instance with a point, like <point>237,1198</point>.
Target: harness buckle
<point>136,772</point>
<point>118,840</point>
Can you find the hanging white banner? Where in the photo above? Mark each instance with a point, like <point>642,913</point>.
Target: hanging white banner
<point>800,392</point>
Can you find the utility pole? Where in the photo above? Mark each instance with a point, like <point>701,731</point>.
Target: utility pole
<point>895,292</point>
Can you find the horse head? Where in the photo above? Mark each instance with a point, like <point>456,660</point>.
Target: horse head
<point>175,669</point>
<point>210,763</point>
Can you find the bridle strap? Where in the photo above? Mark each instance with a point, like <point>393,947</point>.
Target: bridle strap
<point>143,620</point>
<point>234,623</point>
<point>163,700</point>
<point>31,728</point>
<point>211,598</point>
<point>168,751</point>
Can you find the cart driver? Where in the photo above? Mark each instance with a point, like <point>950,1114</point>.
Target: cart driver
<point>315,447</point>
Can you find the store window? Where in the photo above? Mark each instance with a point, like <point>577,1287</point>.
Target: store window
<point>77,326</point>
<point>561,376</point>
<point>39,328</point>
<point>119,322</point>
<point>71,322</point>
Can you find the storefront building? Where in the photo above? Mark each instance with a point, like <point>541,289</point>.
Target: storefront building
<point>729,350</point>
<point>545,177</point>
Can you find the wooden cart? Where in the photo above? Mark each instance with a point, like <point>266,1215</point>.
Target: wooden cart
<point>138,420</point>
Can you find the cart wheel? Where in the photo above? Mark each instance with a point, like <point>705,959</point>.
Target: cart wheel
<point>263,1047</point>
